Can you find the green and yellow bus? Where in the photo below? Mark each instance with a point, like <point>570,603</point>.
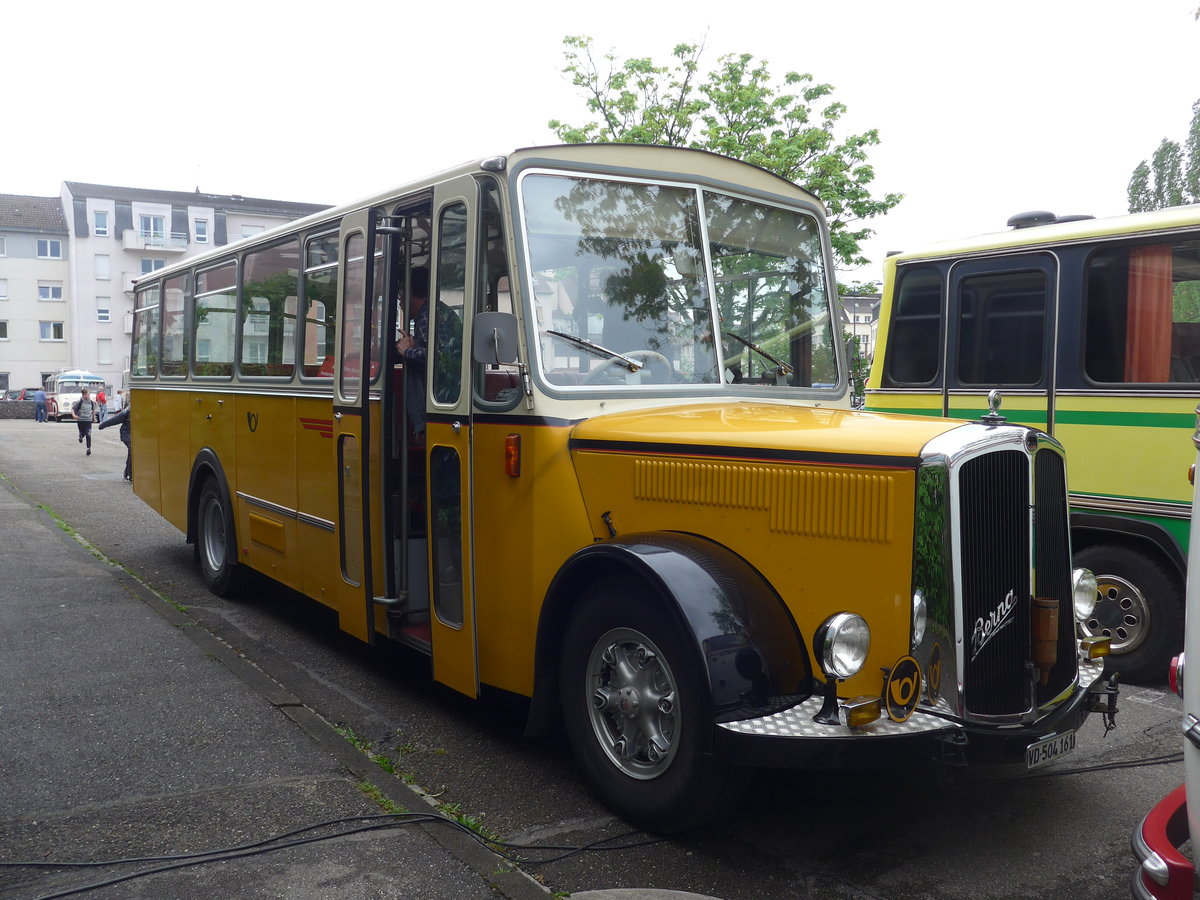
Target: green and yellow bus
<point>1091,329</point>
<point>622,482</point>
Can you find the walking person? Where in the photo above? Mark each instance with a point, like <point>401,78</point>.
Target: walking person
<point>122,419</point>
<point>85,410</point>
<point>39,406</point>
<point>102,403</point>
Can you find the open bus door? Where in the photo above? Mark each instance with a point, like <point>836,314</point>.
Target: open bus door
<point>359,333</point>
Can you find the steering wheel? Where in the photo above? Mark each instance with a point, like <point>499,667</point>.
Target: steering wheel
<point>602,374</point>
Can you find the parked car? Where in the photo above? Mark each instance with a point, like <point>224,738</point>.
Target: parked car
<point>1164,871</point>
<point>22,394</point>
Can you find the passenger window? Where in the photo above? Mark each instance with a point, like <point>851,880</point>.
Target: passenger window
<point>1002,327</point>
<point>915,345</point>
<point>216,320</point>
<point>270,285</point>
<point>446,321</point>
<point>320,300</point>
<point>174,327</point>
<point>1142,314</point>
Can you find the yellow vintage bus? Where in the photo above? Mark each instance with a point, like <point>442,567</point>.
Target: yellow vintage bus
<point>1092,329</point>
<point>620,479</point>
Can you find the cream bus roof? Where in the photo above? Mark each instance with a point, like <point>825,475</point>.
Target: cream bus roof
<point>1073,231</point>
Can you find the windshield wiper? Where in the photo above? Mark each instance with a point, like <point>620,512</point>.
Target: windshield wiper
<point>631,364</point>
<point>783,369</point>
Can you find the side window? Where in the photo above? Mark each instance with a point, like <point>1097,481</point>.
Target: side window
<point>216,315</point>
<point>144,361</point>
<point>1142,314</point>
<point>915,343</point>
<point>446,324</point>
<point>1002,327</point>
<point>174,327</point>
<point>270,285</point>
<point>320,306</point>
<point>354,298</point>
<point>495,386</point>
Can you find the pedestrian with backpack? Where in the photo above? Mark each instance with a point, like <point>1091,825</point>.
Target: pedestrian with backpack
<point>86,411</point>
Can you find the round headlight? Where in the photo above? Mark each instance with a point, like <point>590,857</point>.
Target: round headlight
<point>842,643</point>
<point>1083,592</point>
<point>920,616</point>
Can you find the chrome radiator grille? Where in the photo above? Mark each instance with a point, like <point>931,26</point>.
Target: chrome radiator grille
<point>999,579</point>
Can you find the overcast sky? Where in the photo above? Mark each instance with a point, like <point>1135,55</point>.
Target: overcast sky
<point>984,109</point>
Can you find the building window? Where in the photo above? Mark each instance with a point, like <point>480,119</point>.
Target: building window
<point>152,265</point>
<point>3,288</point>
<point>103,310</point>
<point>50,290</point>
<point>152,226</point>
<point>102,266</point>
<point>50,331</point>
<point>201,231</point>
<point>3,248</point>
<point>100,223</point>
<point>3,330</point>
<point>104,351</point>
<point>251,230</point>
<point>49,249</point>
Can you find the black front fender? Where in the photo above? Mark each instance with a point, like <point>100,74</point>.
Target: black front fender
<point>740,629</point>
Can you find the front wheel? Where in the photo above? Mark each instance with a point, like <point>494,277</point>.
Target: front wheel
<point>635,705</point>
<point>214,537</point>
<point>1139,606</point>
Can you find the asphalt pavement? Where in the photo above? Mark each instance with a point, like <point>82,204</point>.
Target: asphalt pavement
<point>141,756</point>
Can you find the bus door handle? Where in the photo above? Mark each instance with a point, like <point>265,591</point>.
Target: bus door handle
<point>337,417</point>
<point>457,427</point>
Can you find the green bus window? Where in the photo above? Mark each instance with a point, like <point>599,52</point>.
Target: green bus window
<point>1002,329</point>
<point>915,345</point>
<point>270,285</point>
<point>1143,315</point>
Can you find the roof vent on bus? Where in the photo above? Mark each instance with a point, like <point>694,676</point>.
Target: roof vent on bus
<point>1029,219</point>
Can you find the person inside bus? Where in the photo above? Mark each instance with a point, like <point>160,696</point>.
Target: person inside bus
<point>413,349</point>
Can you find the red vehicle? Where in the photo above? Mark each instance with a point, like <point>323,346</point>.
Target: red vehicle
<point>1165,873</point>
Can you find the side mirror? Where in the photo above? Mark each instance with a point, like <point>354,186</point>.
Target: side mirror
<point>494,338</point>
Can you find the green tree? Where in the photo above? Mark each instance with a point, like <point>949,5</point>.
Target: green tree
<point>1172,175</point>
<point>737,110</point>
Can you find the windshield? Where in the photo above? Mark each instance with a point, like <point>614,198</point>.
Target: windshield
<point>623,277</point>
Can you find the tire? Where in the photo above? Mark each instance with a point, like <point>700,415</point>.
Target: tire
<point>646,760</point>
<point>215,540</point>
<point>1140,606</point>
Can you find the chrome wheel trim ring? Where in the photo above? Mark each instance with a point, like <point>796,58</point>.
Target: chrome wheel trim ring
<point>214,536</point>
<point>1122,613</point>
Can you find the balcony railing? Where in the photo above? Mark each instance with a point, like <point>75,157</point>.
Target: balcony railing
<point>155,240</point>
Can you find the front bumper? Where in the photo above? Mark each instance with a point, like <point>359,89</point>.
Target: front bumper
<point>793,738</point>
<point>1163,873</point>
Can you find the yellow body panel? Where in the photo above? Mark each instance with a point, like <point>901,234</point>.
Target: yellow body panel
<point>805,525</point>
<point>525,528</point>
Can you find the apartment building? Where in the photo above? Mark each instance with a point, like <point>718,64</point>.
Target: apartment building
<point>118,234</point>
<point>35,290</point>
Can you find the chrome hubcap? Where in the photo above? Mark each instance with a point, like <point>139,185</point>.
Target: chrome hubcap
<point>1121,613</point>
<point>633,708</point>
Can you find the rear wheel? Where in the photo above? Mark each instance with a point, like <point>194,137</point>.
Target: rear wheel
<point>1139,606</point>
<point>215,539</point>
<point>636,710</point>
